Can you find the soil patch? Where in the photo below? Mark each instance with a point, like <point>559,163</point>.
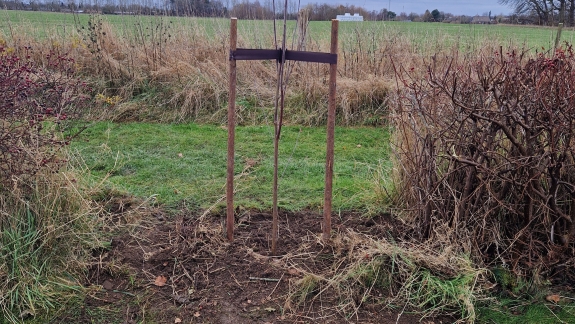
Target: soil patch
<point>182,270</point>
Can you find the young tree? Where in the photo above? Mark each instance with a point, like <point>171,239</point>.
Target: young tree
<point>413,16</point>
<point>427,17</point>
<point>436,15</point>
<point>544,10</point>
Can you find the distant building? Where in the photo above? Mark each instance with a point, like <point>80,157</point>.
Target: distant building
<point>349,17</point>
<point>484,20</point>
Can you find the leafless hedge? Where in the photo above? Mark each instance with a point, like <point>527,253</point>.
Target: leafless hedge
<point>485,156</point>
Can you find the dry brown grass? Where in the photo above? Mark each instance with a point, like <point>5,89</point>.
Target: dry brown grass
<point>48,230</point>
<point>180,73</point>
<point>430,278</point>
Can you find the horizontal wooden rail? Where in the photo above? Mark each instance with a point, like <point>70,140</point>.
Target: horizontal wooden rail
<point>242,54</point>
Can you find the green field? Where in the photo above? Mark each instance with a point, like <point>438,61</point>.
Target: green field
<point>425,36</point>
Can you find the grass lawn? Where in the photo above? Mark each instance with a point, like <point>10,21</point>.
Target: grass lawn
<point>186,164</point>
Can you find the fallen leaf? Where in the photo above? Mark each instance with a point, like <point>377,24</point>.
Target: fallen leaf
<point>181,299</point>
<point>177,320</point>
<point>26,313</point>
<point>244,219</point>
<point>108,285</point>
<point>257,256</point>
<point>160,281</point>
<point>197,314</point>
<point>293,271</point>
<point>553,298</point>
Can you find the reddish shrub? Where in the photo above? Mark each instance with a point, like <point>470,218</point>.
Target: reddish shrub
<point>37,104</point>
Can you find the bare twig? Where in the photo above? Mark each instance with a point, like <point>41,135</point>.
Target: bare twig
<point>265,279</point>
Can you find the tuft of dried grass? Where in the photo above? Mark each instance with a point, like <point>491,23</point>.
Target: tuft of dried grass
<point>48,229</point>
<point>429,278</point>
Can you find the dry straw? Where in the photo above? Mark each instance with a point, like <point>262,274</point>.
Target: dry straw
<point>177,72</point>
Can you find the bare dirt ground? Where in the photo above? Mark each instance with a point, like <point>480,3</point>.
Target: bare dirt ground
<point>180,269</point>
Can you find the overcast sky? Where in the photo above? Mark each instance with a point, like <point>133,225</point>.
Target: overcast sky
<point>456,7</point>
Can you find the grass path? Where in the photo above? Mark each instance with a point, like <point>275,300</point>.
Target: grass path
<point>186,164</point>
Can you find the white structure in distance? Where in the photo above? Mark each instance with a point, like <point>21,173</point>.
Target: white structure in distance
<point>348,17</point>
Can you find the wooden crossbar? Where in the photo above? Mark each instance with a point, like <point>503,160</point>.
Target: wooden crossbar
<point>244,54</point>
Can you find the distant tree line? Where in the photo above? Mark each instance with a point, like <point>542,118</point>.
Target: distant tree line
<point>323,11</point>
<point>201,8</point>
<point>542,12</point>
<point>242,9</point>
<point>318,11</point>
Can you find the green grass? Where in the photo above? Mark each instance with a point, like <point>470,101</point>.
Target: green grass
<point>512,311</point>
<point>425,37</point>
<point>47,233</point>
<point>143,160</point>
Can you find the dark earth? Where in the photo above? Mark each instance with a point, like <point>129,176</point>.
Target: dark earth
<point>180,269</point>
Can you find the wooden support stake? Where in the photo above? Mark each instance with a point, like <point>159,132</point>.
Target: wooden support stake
<point>275,211</point>
<point>231,131</point>
<point>330,135</point>
<point>558,37</point>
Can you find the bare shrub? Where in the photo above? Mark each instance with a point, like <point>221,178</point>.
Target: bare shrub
<point>35,104</point>
<point>485,154</point>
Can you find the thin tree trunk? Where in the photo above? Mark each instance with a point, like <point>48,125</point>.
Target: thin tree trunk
<point>572,13</point>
